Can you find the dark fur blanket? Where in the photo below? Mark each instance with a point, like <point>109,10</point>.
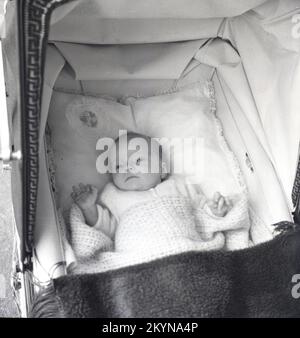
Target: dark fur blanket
<point>255,282</point>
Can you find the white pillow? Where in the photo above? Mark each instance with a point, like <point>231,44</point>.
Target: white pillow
<point>190,113</point>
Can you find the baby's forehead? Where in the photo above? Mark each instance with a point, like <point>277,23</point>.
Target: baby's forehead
<point>126,147</point>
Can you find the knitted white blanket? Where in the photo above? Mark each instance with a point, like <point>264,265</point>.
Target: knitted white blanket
<point>155,227</point>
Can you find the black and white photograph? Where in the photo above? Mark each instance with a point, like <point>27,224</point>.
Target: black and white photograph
<point>149,162</point>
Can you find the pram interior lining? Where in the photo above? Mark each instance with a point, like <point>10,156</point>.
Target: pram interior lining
<point>67,146</point>
<point>212,58</point>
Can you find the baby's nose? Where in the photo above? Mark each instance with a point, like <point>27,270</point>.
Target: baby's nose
<point>131,169</point>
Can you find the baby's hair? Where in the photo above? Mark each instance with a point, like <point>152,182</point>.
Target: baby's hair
<point>131,135</point>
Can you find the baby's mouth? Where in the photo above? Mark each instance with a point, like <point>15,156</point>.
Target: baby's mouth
<point>130,177</point>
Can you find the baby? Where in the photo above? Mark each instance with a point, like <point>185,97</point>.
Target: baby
<point>143,211</point>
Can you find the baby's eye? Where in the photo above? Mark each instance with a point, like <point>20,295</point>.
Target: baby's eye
<point>138,161</point>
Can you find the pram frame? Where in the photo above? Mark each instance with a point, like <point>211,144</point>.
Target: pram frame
<point>33,20</point>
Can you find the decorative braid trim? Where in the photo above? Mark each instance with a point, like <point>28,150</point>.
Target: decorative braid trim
<point>232,160</point>
<point>174,89</point>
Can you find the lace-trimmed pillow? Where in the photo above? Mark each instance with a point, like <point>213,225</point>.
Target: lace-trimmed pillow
<point>187,118</point>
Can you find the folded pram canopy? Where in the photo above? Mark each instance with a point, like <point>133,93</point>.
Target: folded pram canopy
<point>114,22</point>
<point>264,33</point>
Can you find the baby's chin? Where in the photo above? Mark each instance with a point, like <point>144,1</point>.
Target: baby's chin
<point>135,186</point>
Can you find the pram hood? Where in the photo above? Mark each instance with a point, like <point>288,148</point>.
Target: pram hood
<point>264,34</point>
<point>120,22</point>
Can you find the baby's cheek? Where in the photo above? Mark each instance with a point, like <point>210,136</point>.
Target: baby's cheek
<point>152,179</point>
<point>144,169</point>
<point>116,178</point>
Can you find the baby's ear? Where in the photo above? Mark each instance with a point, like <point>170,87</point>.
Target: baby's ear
<point>164,170</point>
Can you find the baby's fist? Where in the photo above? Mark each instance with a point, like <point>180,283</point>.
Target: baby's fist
<point>219,205</point>
<point>84,196</point>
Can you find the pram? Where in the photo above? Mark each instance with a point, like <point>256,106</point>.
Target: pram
<point>98,48</point>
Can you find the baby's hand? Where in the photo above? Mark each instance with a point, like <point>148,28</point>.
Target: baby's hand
<point>199,201</point>
<point>219,205</point>
<point>85,196</point>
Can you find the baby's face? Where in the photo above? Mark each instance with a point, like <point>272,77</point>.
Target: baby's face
<point>132,169</point>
